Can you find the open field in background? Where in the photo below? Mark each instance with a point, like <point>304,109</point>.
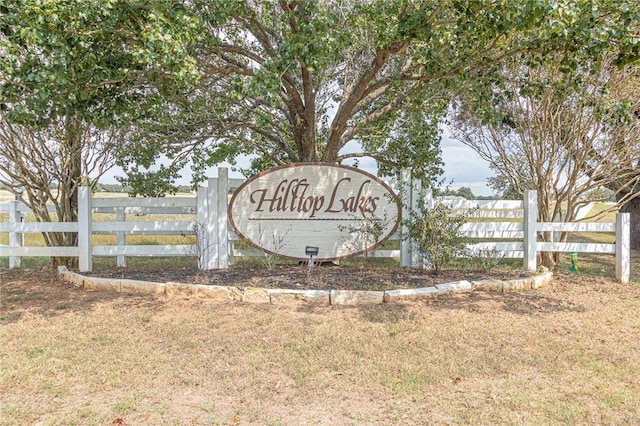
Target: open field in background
<point>566,354</point>
<point>5,196</point>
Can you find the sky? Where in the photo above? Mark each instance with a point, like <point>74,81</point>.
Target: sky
<point>462,167</point>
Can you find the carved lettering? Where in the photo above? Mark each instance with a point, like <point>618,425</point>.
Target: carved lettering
<point>334,194</point>
<point>296,195</point>
<point>289,195</point>
<point>355,203</point>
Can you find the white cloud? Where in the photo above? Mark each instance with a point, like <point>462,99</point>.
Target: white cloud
<point>464,167</point>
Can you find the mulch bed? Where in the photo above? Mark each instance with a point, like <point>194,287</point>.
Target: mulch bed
<point>333,277</point>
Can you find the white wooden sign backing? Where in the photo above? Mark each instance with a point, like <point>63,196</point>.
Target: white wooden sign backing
<point>289,210</point>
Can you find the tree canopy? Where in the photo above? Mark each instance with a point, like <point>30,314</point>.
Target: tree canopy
<point>206,81</point>
<point>305,81</point>
<point>92,59</point>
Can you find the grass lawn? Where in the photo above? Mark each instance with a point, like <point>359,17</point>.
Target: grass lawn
<point>568,353</point>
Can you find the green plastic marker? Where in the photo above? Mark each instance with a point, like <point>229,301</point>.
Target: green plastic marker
<point>574,263</point>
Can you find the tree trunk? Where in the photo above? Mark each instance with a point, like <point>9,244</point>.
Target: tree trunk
<point>633,207</point>
<point>547,259</point>
<point>71,147</point>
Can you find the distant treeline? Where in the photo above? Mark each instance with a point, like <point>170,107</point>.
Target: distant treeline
<point>466,193</point>
<point>116,187</point>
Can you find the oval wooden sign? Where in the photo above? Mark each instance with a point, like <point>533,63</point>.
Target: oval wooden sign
<point>293,210</point>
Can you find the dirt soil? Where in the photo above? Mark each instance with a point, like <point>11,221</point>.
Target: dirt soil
<point>325,277</point>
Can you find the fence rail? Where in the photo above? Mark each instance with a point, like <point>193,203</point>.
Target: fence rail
<point>509,227</point>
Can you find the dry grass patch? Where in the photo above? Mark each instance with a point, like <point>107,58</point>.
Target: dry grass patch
<point>565,354</point>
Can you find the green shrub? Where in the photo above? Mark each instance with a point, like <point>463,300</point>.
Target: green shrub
<point>436,234</point>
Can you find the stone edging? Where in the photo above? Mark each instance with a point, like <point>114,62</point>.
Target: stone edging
<point>324,297</point>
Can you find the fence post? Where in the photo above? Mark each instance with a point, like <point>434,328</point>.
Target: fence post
<point>416,192</point>
<point>15,239</point>
<point>430,202</point>
<point>405,194</point>
<point>223,221</point>
<point>201,234</point>
<point>84,229</point>
<point>623,246</point>
<point>121,238</point>
<point>530,231</point>
<point>212,225</point>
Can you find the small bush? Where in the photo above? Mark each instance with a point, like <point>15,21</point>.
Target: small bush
<point>487,259</point>
<point>366,233</point>
<point>436,233</point>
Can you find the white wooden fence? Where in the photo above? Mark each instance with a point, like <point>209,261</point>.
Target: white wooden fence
<point>512,231</point>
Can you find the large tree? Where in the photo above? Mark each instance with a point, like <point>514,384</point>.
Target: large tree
<point>624,126</point>
<point>564,135</point>
<point>299,80</point>
<point>73,75</point>
<point>45,166</point>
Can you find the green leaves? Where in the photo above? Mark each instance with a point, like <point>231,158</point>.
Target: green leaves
<point>437,234</point>
<point>90,58</point>
<point>288,81</point>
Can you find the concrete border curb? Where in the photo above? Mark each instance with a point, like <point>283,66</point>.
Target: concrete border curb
<point>281,296</point>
